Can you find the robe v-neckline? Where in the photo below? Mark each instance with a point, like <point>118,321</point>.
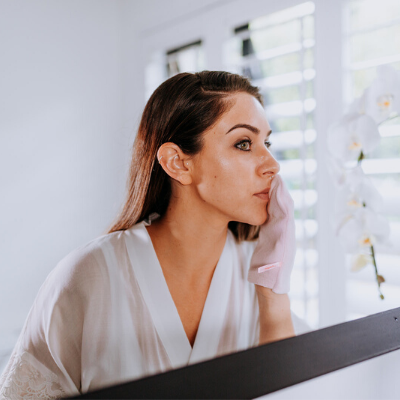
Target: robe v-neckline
<point>163,311</point>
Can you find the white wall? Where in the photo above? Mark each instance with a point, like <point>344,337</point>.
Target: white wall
<point>373,379</point>
<point>71,96</point>
<point>63,141</point>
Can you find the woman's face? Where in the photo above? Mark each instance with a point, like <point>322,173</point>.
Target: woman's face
<point>235,163</point>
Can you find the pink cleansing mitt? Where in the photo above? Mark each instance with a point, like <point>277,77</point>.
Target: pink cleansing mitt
<point>273,257</point>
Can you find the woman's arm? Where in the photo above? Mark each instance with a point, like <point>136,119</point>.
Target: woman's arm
<point>272,263</point>
<point>275,316</point>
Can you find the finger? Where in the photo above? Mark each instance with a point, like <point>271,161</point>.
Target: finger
<point>280,202</point>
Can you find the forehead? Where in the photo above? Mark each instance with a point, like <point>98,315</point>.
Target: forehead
<point>245,110</point>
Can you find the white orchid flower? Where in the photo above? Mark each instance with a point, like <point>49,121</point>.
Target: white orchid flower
<point>352,134</point>
<point>382,98</point>
<point>357,222</point>
<point>362,230</point>
<point>358,192</point>
<point>354,196</point>
<point>354,191</point>
<point>358,105</point>
<point>360,261</point>
<point>336,170</point>
<point>354,176</point>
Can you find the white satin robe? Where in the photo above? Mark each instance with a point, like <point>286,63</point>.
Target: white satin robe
<point>105,316</point>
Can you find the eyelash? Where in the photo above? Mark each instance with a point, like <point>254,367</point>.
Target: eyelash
<point>269,144</point>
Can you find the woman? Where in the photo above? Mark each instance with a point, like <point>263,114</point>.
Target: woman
<point>167,286</point>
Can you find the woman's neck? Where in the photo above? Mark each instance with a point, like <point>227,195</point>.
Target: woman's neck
<point>188,241</point>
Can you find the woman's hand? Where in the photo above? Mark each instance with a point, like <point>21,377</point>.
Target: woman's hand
<point>272,264</point>
<point>272,261</point>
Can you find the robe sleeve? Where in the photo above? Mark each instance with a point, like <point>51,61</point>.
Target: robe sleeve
<point>46,361</point>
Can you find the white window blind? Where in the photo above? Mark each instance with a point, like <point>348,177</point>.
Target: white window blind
<point>372,38</point>
<point>276,52</point>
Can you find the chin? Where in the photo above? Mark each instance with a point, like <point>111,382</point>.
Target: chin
<point>254,219</point>
<point>259,221</point>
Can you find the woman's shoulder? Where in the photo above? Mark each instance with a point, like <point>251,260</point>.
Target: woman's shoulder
<point>86,264</point>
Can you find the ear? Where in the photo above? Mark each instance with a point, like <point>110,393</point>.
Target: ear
<point>175,163</point>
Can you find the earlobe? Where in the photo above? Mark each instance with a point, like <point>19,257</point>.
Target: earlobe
<point>185,179</point>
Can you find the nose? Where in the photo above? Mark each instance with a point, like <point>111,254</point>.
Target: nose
<point>268,166</point>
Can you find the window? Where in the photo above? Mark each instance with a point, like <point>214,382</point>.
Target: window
<point>187,58</point>
<point>277,53</point>
<point>372,38</point>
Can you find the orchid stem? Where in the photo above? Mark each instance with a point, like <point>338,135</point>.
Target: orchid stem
<point>360,158</point>
<point>376,271</point>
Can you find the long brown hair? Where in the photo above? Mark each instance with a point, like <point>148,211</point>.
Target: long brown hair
<point>178,111</point>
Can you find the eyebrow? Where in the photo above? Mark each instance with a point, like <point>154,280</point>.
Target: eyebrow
<point>249,127</point>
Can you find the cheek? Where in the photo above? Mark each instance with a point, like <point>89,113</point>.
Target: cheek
<point>228,185</point>
<point>228,180</point>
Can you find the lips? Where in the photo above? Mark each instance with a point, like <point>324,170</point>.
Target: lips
<point>264,195</point>
<point>265,191</point>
